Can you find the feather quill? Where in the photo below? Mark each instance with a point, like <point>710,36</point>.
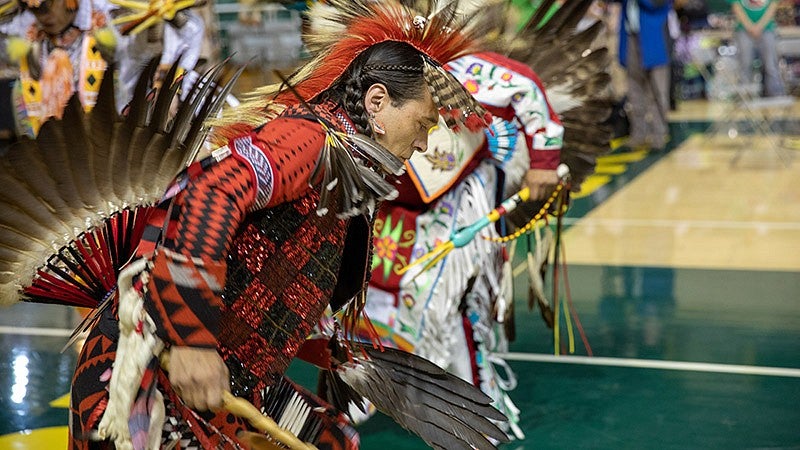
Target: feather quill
<point>101,124</point>
<point>442,409</point>
<point>80,154</point>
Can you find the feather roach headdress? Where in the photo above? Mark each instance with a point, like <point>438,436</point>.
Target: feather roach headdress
<point>340,30</point>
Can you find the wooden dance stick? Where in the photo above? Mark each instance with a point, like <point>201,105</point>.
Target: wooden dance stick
<point>245,410</point>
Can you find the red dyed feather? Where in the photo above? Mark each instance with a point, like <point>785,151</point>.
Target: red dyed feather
<point>390,22</point>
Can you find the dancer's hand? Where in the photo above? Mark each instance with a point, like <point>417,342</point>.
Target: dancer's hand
<point>540,182</point>
<point>199,377</point>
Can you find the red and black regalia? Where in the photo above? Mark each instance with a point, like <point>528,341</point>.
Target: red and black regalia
<point>248,216</point>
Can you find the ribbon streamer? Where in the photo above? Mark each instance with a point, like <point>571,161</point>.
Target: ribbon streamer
<point>463,236</point>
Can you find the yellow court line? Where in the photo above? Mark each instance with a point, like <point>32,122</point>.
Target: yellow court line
<point>627,157</point>
<point>60,402</point>
<point>591,184</point>
<point>606,168</point>
<point>617,142</point>
<point>40,438</point>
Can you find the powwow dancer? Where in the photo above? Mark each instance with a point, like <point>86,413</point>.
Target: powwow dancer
<point>459,313</point>
<point>249,245</point>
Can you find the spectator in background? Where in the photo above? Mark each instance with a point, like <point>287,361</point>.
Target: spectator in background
<point>755,27</point>
<point>644,53</point>
<point>692,14</point>
<point>61,48</point>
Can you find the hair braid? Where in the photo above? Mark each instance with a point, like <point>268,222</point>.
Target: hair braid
<point>353,102</point>
<point>396,65</point>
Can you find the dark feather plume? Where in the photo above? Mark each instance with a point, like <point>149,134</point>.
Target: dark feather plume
<point>75,200</point>
<point>444,410</point>
<point>574,72</point>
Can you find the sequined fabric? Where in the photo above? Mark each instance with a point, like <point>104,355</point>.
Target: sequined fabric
<point>282,270</point>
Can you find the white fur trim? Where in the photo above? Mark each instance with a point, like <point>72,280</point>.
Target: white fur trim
<point>134,351</point>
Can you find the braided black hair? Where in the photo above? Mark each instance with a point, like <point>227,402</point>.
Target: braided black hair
<point>397,65</point>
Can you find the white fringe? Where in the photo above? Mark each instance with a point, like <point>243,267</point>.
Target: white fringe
<point>469,202</point>
<point>437,293</point>
<point>134,351</point>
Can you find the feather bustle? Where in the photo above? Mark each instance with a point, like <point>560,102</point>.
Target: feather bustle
<point>62,239</point>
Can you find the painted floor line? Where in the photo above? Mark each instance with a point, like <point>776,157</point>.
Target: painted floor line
<point>35,331</point>
<point>685,223</point>
<point>654,364</point>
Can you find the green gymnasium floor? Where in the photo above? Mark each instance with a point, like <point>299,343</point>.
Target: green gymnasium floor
<point>690,352</point>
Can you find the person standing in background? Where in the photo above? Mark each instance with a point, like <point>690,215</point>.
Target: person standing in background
<point>62,47</point>
<point>644,53</point>
<point>756,27</point>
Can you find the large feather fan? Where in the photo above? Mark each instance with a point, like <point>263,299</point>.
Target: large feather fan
<point>444,410</point>
<point>75,200</point>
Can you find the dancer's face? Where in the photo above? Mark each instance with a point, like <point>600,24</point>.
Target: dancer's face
<point>406,125</point>
<point>53,16</point>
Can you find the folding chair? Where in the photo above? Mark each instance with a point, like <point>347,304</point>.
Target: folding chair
<point>273,40</point>
<point>744,113</point>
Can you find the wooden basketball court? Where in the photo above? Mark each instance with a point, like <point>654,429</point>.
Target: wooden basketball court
<point>684,270</point>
